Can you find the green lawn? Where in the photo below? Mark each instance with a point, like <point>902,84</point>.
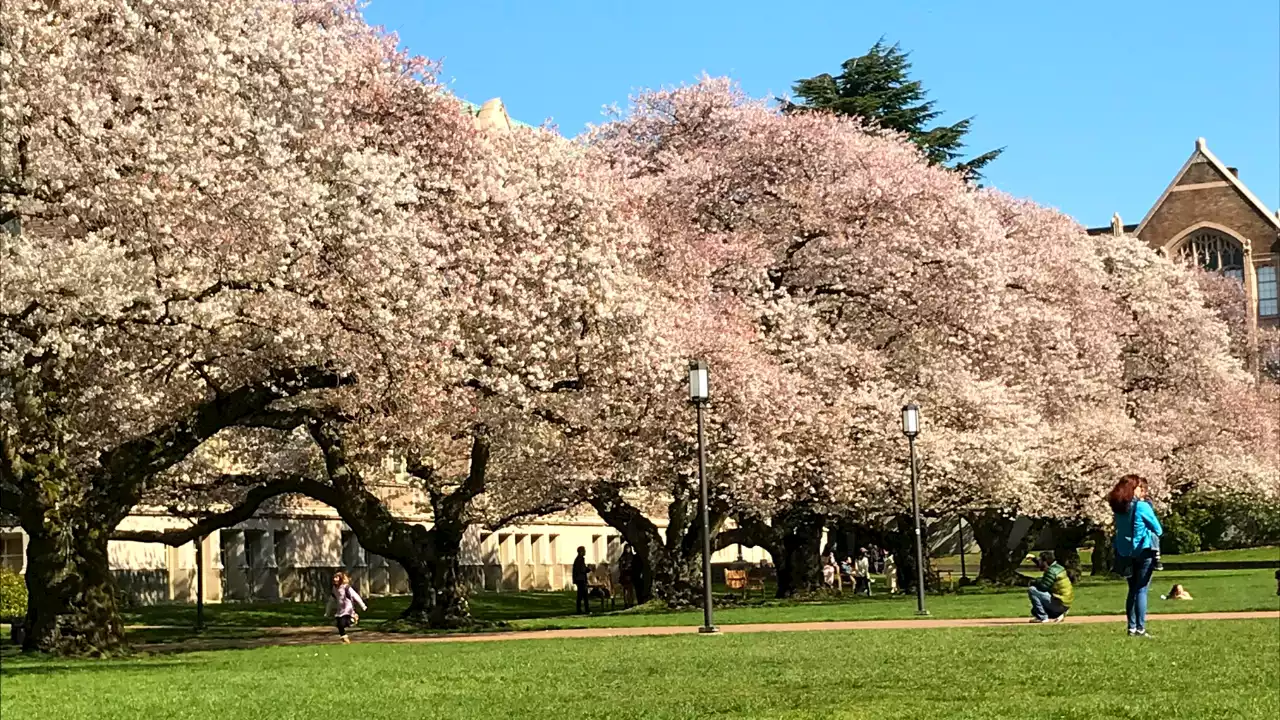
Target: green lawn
<point>1217,590</point>
<point>1216,669</point>
<point>951,563</point>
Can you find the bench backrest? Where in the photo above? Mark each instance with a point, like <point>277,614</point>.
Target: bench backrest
<point>735,579</point>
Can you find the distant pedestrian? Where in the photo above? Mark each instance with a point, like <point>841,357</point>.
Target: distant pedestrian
<point>344,600</point>
<point>830,571</point>
<point>580,579</point>
<point>626,576</point>
<point>862,574</point>
<point>1137,531</point>
<point>891,574</point>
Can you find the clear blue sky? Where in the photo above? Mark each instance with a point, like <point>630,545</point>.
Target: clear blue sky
<point>1098,103</point>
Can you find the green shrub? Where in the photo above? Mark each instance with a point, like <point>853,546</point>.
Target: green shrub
<point>13,594</point>
<point>1179,536</point>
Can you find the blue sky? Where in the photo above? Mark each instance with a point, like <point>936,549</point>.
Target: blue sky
<point>1098,103</point>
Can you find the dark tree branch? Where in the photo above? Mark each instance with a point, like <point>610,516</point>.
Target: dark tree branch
<point>237,514</point>
<point>131,464</point>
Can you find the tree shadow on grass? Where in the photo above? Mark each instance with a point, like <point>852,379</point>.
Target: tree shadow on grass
<point>14,663</point>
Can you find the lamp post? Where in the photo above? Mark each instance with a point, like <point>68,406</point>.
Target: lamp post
<point>699,395</point>
<point>911,428</point>
<point>199,584</point>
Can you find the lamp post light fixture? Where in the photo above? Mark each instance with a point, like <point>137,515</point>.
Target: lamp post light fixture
<point>699,395</point>
<point>911,428</point>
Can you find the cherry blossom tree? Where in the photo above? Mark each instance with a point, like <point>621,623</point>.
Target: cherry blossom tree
<point>869,278</point>
<point>200,234</point>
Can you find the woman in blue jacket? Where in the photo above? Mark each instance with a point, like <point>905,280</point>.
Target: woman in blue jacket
<point>1137,536</point>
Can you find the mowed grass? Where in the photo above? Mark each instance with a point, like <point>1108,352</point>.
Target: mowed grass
<point>1205,669</point>
<point>1271,553</point>
<point>1214,591</point>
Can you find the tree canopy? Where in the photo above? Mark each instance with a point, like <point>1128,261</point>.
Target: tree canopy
<point>878,89</point>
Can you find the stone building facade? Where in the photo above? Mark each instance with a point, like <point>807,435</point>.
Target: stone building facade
<point>1207,216</point>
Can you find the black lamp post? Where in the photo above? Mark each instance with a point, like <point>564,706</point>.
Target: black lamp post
<point>911,428</point>
<point>699,395</point>
<point>199,584</point>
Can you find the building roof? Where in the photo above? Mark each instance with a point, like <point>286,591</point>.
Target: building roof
<point>1108,229</point>
<point>1202,153</point>
<point>493,114</point>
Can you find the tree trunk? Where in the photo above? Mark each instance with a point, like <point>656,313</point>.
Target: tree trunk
<point>799,562</point>
<point>71,595</point>
<point>669,568</point>
<point>676,577</point>
<point>450,608</point>
<point>1001,554</point>
<point>1101,553</point>
<point>1066,546</point>
<point>900,540</point>
<point>419,610</point>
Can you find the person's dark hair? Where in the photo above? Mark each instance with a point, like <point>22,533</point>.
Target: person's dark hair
<point>582,550</point>
<point>1121,496</point>
<point>1047,557</point>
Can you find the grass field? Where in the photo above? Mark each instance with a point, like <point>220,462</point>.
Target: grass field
<point>1212,669</point>
<point>951,563</point>
<point>1218,590</point>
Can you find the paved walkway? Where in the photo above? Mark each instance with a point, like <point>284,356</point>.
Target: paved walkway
<point>314,635</point>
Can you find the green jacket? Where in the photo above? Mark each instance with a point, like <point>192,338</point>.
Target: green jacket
<point>1056,583</point>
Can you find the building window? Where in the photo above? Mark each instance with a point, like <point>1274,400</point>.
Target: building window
<point>11,551</point>
<point>1215,252</point>
<point>280,546</point>
<point>1267,305</point>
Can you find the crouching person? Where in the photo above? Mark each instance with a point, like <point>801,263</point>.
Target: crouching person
<point>1051,594</point>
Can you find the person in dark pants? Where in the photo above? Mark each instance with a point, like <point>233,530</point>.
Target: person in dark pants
<point>583,603</point>
<point>1137,532</point>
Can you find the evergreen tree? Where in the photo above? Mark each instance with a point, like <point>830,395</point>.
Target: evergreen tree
<point>877,88</point>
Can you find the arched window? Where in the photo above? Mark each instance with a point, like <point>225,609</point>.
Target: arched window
<point>1215,252</point>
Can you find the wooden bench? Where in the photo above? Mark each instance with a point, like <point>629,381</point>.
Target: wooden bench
<point>600,585</point>
<point>744,581</point>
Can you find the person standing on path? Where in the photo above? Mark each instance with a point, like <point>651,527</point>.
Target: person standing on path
<point>1137,532</point>
<point>862,574</point>
<point>626,576</point>
<point>1051,595</point>
<point>583,602</point>
<point>343,601</point>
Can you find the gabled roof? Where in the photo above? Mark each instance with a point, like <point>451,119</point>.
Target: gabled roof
<point>493,113</point>
<point>1202,151</point>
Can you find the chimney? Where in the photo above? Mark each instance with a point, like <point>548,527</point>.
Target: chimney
<point>1235,172</point>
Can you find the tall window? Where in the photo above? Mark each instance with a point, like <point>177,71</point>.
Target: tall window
<point>1267,291</point>
<point>1214,252</point>
<point>11,555</point>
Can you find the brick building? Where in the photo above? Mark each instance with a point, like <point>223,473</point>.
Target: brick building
<point>1207,216</point>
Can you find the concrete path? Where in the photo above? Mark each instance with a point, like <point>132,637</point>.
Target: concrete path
<point>326,635</point>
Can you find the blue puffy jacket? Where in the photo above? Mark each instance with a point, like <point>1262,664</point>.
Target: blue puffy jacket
<point>1133,535</point>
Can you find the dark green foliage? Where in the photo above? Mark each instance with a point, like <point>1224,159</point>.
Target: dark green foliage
<point>877,87</point>
<point>1199,522</point>
<point>1180,536</point>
